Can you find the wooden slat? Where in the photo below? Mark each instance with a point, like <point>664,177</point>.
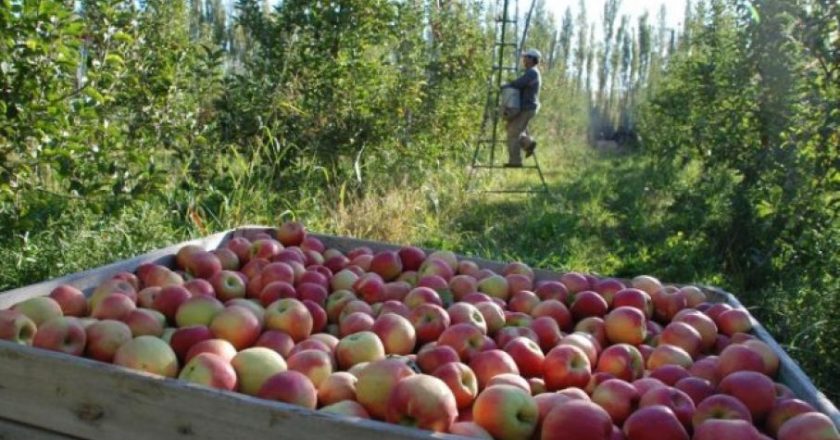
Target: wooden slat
<point>10,430</point>
<point>94,400</point>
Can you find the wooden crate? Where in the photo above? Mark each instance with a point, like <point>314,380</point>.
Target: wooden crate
<point>56,396</point>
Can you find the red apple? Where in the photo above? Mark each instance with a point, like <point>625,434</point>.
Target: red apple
<point>104,338</point>
<point>575,282</point>
<point>677,401</point>
<point>784,410</point>
<point>290,387</point>
<point>566,366</point>
<point>210,370</point>
<point>654,422</point>
<point>433,356</point>
<point>466,339</point>
<point>667,354</point>
<point>411,257</point>
<point>291,233</point>
<point>396,332</point>
<point>696,388</point>
<point>527,355</point>
<point>754,389</point>
<point>809,426</point>
<point>733,321</point>
<point>720,406</point>
<point>547,331</point>
<point>317,365</point>
<point>739,357</point>
<point>506,412</point>
<point>469,429</point>
<point>577,420</point>
<point>237,325</point>
<point>703,324</point>
<point>347,408</point>
<point>39,309</point>
<point>216,346</point>
<point>637,298</point>
<point>184,338</point>
<point>556,290</point>
<point>623,361</point>
<point>198,310</point>
<point>63,334</point>
<point>338,386</point>
<point>462,312</point>
<point>487,364</point>
<point>626,324</point>
<point>716,429</point>
<point>423,402</point>
<point>290,316</point>
<point>556,310</point>
<point>588,303</point>
<point>617,397</point>
<point>70,299</point>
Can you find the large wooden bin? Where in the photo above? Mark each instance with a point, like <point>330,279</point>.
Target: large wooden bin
<point>52,395</point>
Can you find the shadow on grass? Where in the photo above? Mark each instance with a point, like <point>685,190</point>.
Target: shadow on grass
<point>601,217</point>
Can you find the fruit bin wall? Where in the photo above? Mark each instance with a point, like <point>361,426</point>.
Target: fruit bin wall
<point>50,395</point>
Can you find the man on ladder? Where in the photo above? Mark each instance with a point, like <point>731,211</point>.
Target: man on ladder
<point>528,86</point>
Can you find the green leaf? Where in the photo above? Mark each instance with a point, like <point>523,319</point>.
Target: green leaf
<point>113,58</point>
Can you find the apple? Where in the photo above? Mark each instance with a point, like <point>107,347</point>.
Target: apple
<point>386,264</point>
<point>586,343</point>
<point>556,310</point>
<point>716,429</point>
<point>238,325</point>
<point>422,295</point>
<point>626,324</point>
<point>461,380</point>
<point>148,354</point>
<point>290,387</point>
<point>291,233</point>
<point>696,388</point>
<point>184,338</point>
<point>594,327</point>
<point>461,285</point>
<point>349,408</point>
<point>617,397</point>
<point>556,290</point>
<point>462,312</point>
<point>566,366</point>
<point>507,334</point>
<point>707,368</point>
<point>654,422</point>
<point>496,286</point>
<point>506,412</point>
<point>240,246</point>
<point>311,243</point>
<point>411,257</point>
<point>64,334</point>
<point>607,288</point>
<point>71,300</point>
<point>423,402</point>
<point>588,303</point>
<point>227,257</point>
<point>669,374</point>
<point>737,357</point>
<point>637,298</point>
<point>16,327</point>
<point>39,309</point>
<point>666,354</point>
<point>317,365</point>
<point>466,339</point>
<point>754,389</point>
<point>703,324</point>
<point>647,283</point>
<point>338,386</point>
<point>490,363</point>
<point>104,338</point>
<point>376,382</point>
<point>198,310</point>
<point>359,347</point>
<point>784,410</point>
<point>169,299</point>
<point>518,282</point>
<point>114,306</point>
<point>156,275</point>
<point>527,355</point>
<point>623,361</point>
<point>310,344</point>
<point>290,316</point>
<point>354,323</point>
<point>254,366</point>
<point>575,282</point>
<point>228,285</point>
<point>646,384</point>
<point>577,420</point>
<point>432,356</point>
<point>720,406</point>
<point>733,321</point>
<point>216,346</point>
<point>203,264</point>
<point>370,287</point>
<point>677,401</point>
<point>517,319</point>
<point>770,358</point>
<point>265,248</point>
<point>809,426</point>
<point>547,331</point>
<point>396,332</point>
<point>682,335</point>
<point>210,370</point>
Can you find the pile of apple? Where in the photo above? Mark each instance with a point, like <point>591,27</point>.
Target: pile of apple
<point>432,342</point>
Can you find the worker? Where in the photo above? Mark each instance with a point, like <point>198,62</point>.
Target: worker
<point>528,85</point>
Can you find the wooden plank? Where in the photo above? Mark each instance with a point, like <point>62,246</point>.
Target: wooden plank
<point>94,400</point>
<point>10,430</point>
